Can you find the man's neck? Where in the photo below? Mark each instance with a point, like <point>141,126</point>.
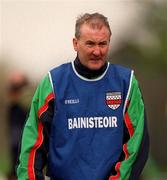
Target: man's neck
<point>86,72</point>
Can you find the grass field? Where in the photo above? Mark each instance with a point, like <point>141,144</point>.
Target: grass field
<point>4,165</point>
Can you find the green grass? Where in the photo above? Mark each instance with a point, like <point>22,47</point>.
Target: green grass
<point>5,163</point>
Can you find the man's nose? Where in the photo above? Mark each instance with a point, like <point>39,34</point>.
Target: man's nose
<point>96,51</point>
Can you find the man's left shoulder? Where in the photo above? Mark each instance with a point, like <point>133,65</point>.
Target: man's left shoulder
<point>120,70</point>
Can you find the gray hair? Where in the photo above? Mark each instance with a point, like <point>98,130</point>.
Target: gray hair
<point>95,20</point>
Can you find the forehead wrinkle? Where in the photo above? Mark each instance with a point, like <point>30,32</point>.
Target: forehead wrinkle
<point>93,34</point>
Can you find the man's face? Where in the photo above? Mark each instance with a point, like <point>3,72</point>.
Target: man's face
<point>92,46</point>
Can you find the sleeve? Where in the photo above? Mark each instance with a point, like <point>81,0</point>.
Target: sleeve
<point>136,140</point>
<point>34,144</point>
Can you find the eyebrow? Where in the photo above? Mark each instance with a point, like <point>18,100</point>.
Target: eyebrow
<point>93,42</point>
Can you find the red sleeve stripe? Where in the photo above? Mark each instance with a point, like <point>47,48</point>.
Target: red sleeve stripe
<point>117,168</point>
<point>45,106</point>
<point>129,124</point>
<point>125,149</point>
<point>31,173</point>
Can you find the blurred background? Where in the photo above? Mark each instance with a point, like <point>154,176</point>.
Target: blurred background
<point>36,35</point>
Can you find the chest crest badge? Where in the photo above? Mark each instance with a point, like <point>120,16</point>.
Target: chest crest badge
<point>113,100</point>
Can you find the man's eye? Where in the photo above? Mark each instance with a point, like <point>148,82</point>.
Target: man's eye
<point>103,44</point>
<point>90,44</point>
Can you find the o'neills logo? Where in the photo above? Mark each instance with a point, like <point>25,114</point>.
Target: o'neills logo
<point>113,99</point>
<point>92,122</point>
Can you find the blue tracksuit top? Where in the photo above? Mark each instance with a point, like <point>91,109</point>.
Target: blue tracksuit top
<point>87,130</point>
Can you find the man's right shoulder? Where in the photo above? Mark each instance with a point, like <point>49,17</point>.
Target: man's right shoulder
<point>61,67</point>
<point>60,73</point>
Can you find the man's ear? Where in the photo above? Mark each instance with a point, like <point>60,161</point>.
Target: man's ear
<point>75,44</point>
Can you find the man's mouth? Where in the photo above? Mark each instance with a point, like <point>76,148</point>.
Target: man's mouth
<point>95,59</point>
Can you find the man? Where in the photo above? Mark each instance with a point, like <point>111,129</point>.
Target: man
<point>87,119</point>
<point>16,111</point>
